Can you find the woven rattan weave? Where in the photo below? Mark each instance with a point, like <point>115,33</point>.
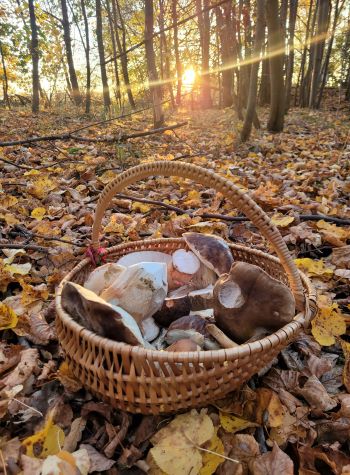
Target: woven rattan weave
<point>152,382</point>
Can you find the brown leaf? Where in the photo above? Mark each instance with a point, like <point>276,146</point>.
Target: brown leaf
<point>310,458</point>
<point>98,462</point>
<point>75,433</point>
<point>315,394</point>
<point>341,257</point>
<point>9,356</point>
<point>333,431</point>
<point>275,462</point>
<point>30,465</point>
<point>318,366</point>
<point>27,366</point>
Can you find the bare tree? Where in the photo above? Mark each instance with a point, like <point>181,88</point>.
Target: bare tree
<point>87,58</point>
<point>34,49</point>
<point>114,50</point>
<point>5,84</point>
<point>177,54</point>
<point>121,44</point>
<point>158,116</point>
<point>204,35</point>
<point>276,53</point>
<point>101,54</point>
<point>253,84</point>
<point>69,54</point>
<point>293,7</point>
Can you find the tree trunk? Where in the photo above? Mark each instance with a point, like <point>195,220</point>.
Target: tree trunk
<point>34,48</point>
<point>265,86</point>
<point>293,7</point>
<point>101,54</point>
<point>177,54</point>
<point>121,44</point>
<point>114,50</point>
<point>325,66</point>
<point>309,48</point>
<point>87,57</point>
<point>321,30</point>
<point>204,34</point>
<point>276,60</point>
<point>165,50</point>
<point>224,23</point>
<point>253,84</point>
<point>155,88</point>
<point>69,54</point>
<point>5,84</point>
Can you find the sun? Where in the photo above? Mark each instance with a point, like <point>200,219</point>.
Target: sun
<point>189,77</point>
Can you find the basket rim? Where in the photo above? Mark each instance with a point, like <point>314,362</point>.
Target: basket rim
<point>203,356</point>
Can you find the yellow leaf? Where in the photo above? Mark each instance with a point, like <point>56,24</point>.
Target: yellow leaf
<point>327,324</point>
<point>140,207</point>
<point>32,294</point>
<point>8,317</point>
<point>281,221</point>
<point>38,213</point>
<point>334,234</point>
<point>7,201</point>
<point>211,461</point>
<point>67,378</point>
<point>193,198</point>
<point>270,404</point>
<point>313,268</point>
<point>41,187</point>
<point>175,449</point>
<point>9,218</point>
<point>108,176</point>
<point>18,269</point>
<point>114,226</point>
<point>47,441</point>
<point>234,424</point>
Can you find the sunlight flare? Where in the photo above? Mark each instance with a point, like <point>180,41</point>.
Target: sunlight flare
<point>188,78</point>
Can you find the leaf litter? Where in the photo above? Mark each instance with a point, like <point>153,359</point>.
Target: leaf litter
<point>294,417</point>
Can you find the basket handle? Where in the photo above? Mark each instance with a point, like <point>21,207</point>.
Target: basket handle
<point>230,191</point>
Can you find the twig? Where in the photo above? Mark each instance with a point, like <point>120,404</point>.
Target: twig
<point>3,462</point>
<point>23,167</point>
<point>32,247</point>
<point>125,137</point>
<point>223,217</point>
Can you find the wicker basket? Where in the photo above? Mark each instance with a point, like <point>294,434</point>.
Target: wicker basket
<point>153,382</point>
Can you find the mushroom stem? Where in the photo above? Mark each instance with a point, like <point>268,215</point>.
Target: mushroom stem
<point>220,336</point>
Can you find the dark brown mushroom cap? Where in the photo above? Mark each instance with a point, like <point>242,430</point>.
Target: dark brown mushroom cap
<point>248,298</point>
<point>97,315</point>
<point>213,251</point>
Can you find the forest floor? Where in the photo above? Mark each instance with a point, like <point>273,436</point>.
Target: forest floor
<point>48,191</point>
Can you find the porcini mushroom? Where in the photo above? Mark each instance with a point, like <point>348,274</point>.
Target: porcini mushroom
<point>191,327</point>
<point>248,299</point>
<point>175,305</point>
<point>140,290</point>
<point>213,251</point>
<point>183,345</point>
<point>102,277</point>
<point>184,266</point>
<point>97,315</point>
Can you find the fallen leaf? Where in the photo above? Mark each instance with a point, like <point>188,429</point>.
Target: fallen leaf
<point>275,462</point>
<point>211,461</point>
<point>327,324</point>
<point>233,424</point>
<point>65,463</point>
<point>98,462</point>
<point>27,366</point>
<point>281,221</point>
<point>38,213</point>
<point>314,268</point>
<point>8,317</point>
<point>175,446</point>
<point>45,442</point>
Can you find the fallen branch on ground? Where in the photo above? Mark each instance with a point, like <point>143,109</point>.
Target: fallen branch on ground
<point>223,217</point>
<point>32,247</point>
<point>72,136</point>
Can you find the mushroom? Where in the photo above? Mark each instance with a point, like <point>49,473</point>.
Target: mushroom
<point>248,299</point>
<point>213,251</point>
<point>140,290</point>
<point>97,315</point>
<point>184,266</point>
<point>102,277</point>
<point>145,256</point>
<point>201,299</point>
<point>175,305</point>
<point>191,327</point>
<point>184,344</point>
